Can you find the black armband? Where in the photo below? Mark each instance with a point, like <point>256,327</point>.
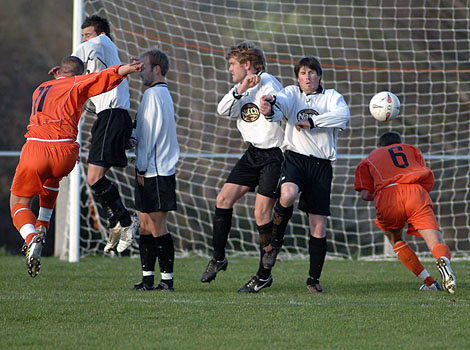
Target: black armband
<point>141,173</point>
<point>236,95</point>
<point>312,124</point>
<point>273,102</point>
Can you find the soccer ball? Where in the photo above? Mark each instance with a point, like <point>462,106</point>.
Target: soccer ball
<point>384,106</point>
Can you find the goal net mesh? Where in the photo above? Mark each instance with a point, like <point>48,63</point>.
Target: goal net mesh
<point>417,49</point>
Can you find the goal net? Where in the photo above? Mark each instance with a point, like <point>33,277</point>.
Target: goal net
<point>417,49</point>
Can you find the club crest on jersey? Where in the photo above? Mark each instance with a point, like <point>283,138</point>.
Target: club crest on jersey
<point>306,113</point>
<point>250,112</point>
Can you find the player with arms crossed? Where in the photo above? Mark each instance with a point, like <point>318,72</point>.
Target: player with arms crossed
<point>157,153</point>
<point>314,117</point>
<point>50,151</point>
<point>110,132</point>
<point>259,166</point>
<point>396,178</point>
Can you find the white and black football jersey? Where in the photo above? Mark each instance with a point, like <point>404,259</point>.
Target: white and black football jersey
<point>99,53</point>
<point>157,150</point>
<point>253,126</point>
<point>327,109</point>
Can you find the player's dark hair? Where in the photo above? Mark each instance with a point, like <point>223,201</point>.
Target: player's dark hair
<point>158,58</point>
<point>310,62</point>
<point>389,138</point>
<point>247,51</point>
<point>71,66</point>
<point>100,24</point>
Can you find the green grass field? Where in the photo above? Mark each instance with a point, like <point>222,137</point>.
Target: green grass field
<point>91,305</point>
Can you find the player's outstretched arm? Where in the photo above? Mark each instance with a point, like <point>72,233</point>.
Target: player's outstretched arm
<point>130,68</point>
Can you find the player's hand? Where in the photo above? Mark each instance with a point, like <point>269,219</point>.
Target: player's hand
<point>302,124</point>
<point>135,66</point>
<point>54,71</point>
<point>251,80</point>
<point>131,143</point>
<point>265,104</point>
<point>140,180</point>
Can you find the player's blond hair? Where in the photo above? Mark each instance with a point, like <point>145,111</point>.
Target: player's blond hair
<point>247,51</point>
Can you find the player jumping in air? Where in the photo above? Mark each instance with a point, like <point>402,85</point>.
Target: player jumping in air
<point>50,151</point>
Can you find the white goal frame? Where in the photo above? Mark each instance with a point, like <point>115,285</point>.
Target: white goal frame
<point>438,120</point>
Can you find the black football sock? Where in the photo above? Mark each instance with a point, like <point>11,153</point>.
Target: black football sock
<point>222,223</point>
<point>282,216</point>
<point>317,251</point>
<point>107,194</point>
<point>148,258</point>
<point>166,253</point>
<point>265,232</point>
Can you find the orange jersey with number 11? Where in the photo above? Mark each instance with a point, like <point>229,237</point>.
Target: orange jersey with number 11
<point>57,104</point>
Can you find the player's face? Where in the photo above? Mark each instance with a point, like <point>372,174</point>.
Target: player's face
<point>146,74</point>
<point>88,33</point>
<point>237,69</point>
<point>308,79</point>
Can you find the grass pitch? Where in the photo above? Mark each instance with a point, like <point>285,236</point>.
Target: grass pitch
<point>91,305</point>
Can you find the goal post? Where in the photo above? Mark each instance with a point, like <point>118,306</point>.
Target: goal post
<point>418,50</point>
<point>67,235</point>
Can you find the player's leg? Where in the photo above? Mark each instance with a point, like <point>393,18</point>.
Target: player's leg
<point>410,260</point>
<point>23,218</point>
<point>107,195</point>
<point>222,223</point>
<point>165,251</point>
<point>153,200</point>
<point>422,218</point>
<point>31,172</point>
<point>109,137</point>
<point>47,202</point>
<point>317,247</point>
<point>148,255</point>
<point>263,213</point>
<point>264,223</point>
<point>283,209</point>
<point>441,252</point>
<point>155,243</point>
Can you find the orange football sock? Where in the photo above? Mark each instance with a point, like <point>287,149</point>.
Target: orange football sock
<point>24,221</point>
<point>441,249</point>
<point>408,257</point>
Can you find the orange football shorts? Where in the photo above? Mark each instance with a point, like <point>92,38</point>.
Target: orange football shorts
<point>42,161</point>
<point>398,204</point>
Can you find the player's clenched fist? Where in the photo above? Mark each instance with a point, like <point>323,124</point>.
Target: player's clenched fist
<point>251,80</point>
<point>265,104</point>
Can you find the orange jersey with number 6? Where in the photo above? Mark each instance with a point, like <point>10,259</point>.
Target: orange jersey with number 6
<point>393,164</point>
<point>401,182</point>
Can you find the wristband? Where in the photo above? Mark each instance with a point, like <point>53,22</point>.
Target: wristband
<point>141,173</point>
<point>312,124</point>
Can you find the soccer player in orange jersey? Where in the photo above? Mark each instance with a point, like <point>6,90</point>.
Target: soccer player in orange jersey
<point>50,151</point>
<point>395,176</point>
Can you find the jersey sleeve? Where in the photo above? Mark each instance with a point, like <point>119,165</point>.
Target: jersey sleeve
<point>229,106</point>
<point>363,179</point>
<point>337,116</point>
<point>146,131</point>
<point>283,104</point>
<point>96,83</point>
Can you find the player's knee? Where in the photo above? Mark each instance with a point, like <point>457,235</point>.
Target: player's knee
<point>223,201</point>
